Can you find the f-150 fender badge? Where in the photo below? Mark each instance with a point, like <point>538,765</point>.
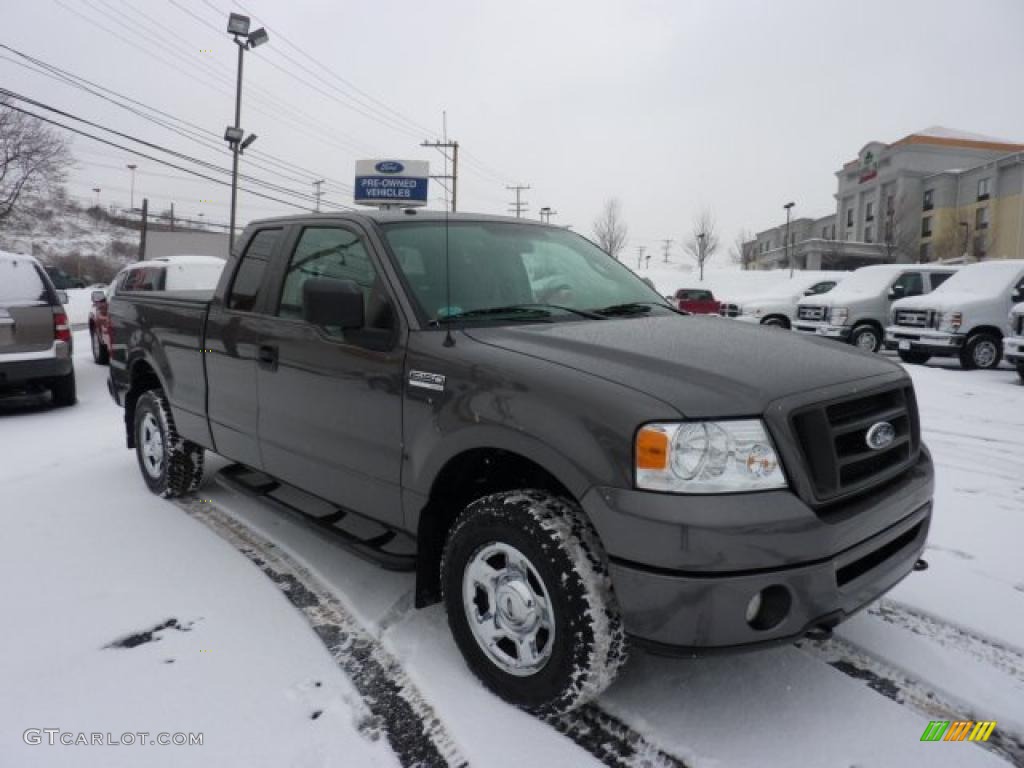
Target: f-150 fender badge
<point>424,380</point>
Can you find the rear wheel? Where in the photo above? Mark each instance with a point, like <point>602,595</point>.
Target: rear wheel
<point>866,337</point>
<point>982,351</point>
<point>64,391</point>
<point>171,465</point>
<point>914,357</point>
<point>100,354</point>
<point>775,322</point>
<point>1020,371</point>
<point>530,601</point>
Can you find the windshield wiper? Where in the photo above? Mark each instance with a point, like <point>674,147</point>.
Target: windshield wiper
<point>519,311</point>
<point>632,308</point>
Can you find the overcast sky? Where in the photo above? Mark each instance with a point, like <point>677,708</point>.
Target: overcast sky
<point>733,105</point>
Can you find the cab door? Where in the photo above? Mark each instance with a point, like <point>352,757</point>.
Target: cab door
<point>330,401</point>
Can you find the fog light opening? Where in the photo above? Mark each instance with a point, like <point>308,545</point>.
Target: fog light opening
<point>768,608</point>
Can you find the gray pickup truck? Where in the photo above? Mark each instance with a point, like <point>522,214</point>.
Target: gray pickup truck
<point>571,463</point>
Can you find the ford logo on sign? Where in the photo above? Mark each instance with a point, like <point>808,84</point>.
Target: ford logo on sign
<point>389,166</point>
<point>880,435</point>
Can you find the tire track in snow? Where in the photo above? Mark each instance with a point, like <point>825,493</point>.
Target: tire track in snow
<point>610,740</point>
<point>910,692</point>
<point>1008,660</point>
<point>413,730</point>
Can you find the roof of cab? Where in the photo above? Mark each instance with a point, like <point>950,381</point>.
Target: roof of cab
<point>397,215</point>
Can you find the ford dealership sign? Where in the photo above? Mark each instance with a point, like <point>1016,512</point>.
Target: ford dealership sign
<point>388,183</point>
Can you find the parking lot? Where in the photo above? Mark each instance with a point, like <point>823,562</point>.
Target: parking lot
<point>218,615</point>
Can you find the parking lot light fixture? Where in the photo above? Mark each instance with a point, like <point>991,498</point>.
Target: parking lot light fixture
<point>238,24</point>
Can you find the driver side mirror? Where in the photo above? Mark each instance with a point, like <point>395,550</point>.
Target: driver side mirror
<point>99,296</point>
<point>1017,296</point>
<point>338,303</point>
<point>896,292</point>
<point>62,297</point>
<point>809,292</point>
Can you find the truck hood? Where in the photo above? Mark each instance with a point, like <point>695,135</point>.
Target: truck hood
<point>704,367</point>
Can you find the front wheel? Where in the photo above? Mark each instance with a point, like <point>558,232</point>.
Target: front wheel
<point>914,357</point>
<point>171,465</point>
<point>1020,371</point>
<point>530,601</point>
<point>866,337</point>
<point>775,322</point>
<point>982,351</point>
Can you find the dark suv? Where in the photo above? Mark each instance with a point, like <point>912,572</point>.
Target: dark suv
<point>35,334</point>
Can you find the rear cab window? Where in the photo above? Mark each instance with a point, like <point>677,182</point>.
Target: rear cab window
<point>248,281</point>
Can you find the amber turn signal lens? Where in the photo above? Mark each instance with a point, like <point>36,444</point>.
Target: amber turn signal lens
<point>651,449</point>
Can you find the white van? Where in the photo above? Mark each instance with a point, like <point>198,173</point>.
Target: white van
<point>776,305</point>
<point>857,310</point>
<point>1013,345</point>
<point>967,318</point>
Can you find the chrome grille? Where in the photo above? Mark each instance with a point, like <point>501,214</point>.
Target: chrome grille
<point>914,318</point>
<point>833,440</point>
<point>811,313</point>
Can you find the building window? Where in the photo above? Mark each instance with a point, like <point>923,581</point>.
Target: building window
<point>983,185</point>
<point>868,234</point>
<point>833,231</point>
<point>926,253</point>
<point>981,218</point>
<point>849,217</point>
<point>929,203</point>
<point>869,212</point>
<point>890,204</point>
<point>926,226</point>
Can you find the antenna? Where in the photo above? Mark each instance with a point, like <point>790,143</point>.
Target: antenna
<point>449,340</point>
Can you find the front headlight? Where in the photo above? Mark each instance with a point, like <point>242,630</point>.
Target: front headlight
<point>707,457</point>
<point>951,321</point>
<point>839,315</point>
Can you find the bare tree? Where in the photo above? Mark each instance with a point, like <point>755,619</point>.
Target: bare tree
<point>609,228</point>
<point>901,230</point>
<point>702,243</point>
<point>744,249</point>
<point>33,158</point>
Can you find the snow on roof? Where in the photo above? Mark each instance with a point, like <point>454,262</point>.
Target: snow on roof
<point>941,132</point>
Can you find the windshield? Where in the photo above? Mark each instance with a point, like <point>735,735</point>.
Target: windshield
<point>531,271</point>
<point>867,280</point>
<point>990,279</point>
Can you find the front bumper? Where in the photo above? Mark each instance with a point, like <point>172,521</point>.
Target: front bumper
<point>938,343</point>
<point>685,568</point>
<point>824,329</point>
<point>1013,349</point>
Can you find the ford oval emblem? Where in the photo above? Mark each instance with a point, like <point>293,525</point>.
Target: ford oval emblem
<point>389,166</point>
<point>880,435</point>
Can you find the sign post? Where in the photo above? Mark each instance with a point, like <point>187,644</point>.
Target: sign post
<point>392,183</point>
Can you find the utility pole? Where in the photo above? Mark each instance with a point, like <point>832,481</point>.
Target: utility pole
<point>701,239</point>
<point>520,205</point>
<point>172,217</point>
<point>145,225</point>
<point>666,245</point>
<point>453,177</point>
<point>640,255</point>
<point>317,193</point>
<point>131,167</point>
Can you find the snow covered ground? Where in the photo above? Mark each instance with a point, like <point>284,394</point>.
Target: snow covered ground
<point>92,562</point>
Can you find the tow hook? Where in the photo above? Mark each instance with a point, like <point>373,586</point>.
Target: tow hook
<point>921,565</point>
<point>819,633</point>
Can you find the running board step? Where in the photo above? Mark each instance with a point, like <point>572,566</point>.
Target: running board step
<point>388,547</point>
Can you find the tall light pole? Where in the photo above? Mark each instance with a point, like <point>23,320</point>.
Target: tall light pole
<point>700,253</point>
<point>131,167</point>
<point>97,191</point>
<point>789,255</point>
<point>238,28</point>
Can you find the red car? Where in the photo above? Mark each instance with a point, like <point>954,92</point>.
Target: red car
<point>697,301</point>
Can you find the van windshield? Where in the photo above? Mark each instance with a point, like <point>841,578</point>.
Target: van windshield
<point>988,279</point>
<point>503,271</point>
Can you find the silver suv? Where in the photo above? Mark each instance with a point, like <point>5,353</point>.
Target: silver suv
<point>35,333</point>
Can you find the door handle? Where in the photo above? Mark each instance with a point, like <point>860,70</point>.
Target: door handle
<point>266,358</point>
